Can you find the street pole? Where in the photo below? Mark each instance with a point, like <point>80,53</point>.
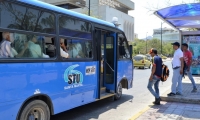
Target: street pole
<point>161,38</point>
<point>89,9</point>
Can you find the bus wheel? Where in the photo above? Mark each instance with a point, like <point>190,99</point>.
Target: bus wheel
<point>35,110</point>
<point>118,94</point>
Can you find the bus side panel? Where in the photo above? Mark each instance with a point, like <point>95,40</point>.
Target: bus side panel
<point>9,110</point>
<point>76,94</point>
<point>20,81</point>
<point>125,70</point>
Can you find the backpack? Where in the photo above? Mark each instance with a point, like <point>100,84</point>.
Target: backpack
<point>165,73</point>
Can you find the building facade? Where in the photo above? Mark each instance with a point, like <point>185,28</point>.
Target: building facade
<point>103,9</point>
<point>168,35</point>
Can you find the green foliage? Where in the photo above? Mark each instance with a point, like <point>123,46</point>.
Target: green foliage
<point>139,46</point>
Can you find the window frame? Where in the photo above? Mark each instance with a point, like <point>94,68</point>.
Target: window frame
<point>82,20</point>
<point>77,59</point>
<point>126,42</point>
<point>32,7</point>
<point>16,60</point>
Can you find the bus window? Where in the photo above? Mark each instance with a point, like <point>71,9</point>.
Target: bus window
<point>79,48</point>
<point>15,45</point>
<point>19,17</point>
<point>123,51</point>
<point>74,28</point>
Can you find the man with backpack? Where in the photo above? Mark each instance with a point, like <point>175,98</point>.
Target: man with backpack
<point>187,55</point>
<point>155,77</point>
<point>177,65</point>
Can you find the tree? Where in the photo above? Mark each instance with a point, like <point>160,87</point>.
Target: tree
<point>139,46</point>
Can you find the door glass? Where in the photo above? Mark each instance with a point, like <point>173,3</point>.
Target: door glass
<point>123,51</point>
<point>109,67</point>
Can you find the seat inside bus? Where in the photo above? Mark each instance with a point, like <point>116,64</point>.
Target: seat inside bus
<point>50,47</point>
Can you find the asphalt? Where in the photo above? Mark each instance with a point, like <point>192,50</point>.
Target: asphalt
<point>132,102</point>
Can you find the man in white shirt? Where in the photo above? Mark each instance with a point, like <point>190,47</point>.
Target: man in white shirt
<point>177,65</point>
<point>6,51</point>
<point>63,49</point>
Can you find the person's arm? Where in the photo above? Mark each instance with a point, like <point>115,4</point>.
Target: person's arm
<point>63,53</point>
<point>182,62</point>
<point>153,70</point>
<point>8,49</point>
<point>22,52</point>
<point>189,60</point>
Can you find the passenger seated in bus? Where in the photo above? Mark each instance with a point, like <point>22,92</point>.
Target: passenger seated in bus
<point>75,50</point>
<point>35,49</point>
<point>6,50</point>
<point>63,49</point>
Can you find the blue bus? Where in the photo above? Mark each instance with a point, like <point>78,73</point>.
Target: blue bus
<point>54,59</point>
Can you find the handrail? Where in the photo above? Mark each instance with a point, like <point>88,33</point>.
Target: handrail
<point>109,66</point>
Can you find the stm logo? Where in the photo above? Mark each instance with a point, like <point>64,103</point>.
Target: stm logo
<point>72,76</point>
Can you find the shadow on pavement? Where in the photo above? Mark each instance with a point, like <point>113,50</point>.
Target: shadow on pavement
<point>91,110</point>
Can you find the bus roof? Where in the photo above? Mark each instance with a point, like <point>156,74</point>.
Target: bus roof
<point>65,11</point>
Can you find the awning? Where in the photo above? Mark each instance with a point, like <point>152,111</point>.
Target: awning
<point>181,16</point>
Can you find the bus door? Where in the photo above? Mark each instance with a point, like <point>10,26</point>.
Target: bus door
<point>109,62</point>
<point>106,57</point>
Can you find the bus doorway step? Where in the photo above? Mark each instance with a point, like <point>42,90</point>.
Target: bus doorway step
<point>106,95</point>
<point>103,90</point>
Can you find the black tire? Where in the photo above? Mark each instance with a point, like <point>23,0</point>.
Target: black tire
<point>118,94</point>
<point>35,110</point>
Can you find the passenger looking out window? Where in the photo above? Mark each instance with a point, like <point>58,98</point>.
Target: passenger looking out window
<point>79,48</point>
<point>15,45</point>
<point>35,49</point>
<point>75,50</point>
<point>63,49</point>
<point>6,50</point>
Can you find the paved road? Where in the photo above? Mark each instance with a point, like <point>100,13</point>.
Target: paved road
<point>131,103</point>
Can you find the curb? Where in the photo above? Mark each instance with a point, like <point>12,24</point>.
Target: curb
<point>180,99</point>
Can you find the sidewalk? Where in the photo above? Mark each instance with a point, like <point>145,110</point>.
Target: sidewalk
<point>178,107</point>
<point>172,111</point>
<point>187,96</point>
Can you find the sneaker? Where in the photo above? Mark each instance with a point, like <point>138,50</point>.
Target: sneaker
<point>157,102</point>
<point>194,90</point>
<point>171,94</point>
<point>178,93</point>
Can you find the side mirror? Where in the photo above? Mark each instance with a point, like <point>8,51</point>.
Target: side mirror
<point>131,51</point>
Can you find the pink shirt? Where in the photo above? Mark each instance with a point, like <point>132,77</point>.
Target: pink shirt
<point>187,55</point>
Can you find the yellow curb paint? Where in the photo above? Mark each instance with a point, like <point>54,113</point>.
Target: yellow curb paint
<point>140,113</point>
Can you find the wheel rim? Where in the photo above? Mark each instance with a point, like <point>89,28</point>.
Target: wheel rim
<point>36,114</point>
